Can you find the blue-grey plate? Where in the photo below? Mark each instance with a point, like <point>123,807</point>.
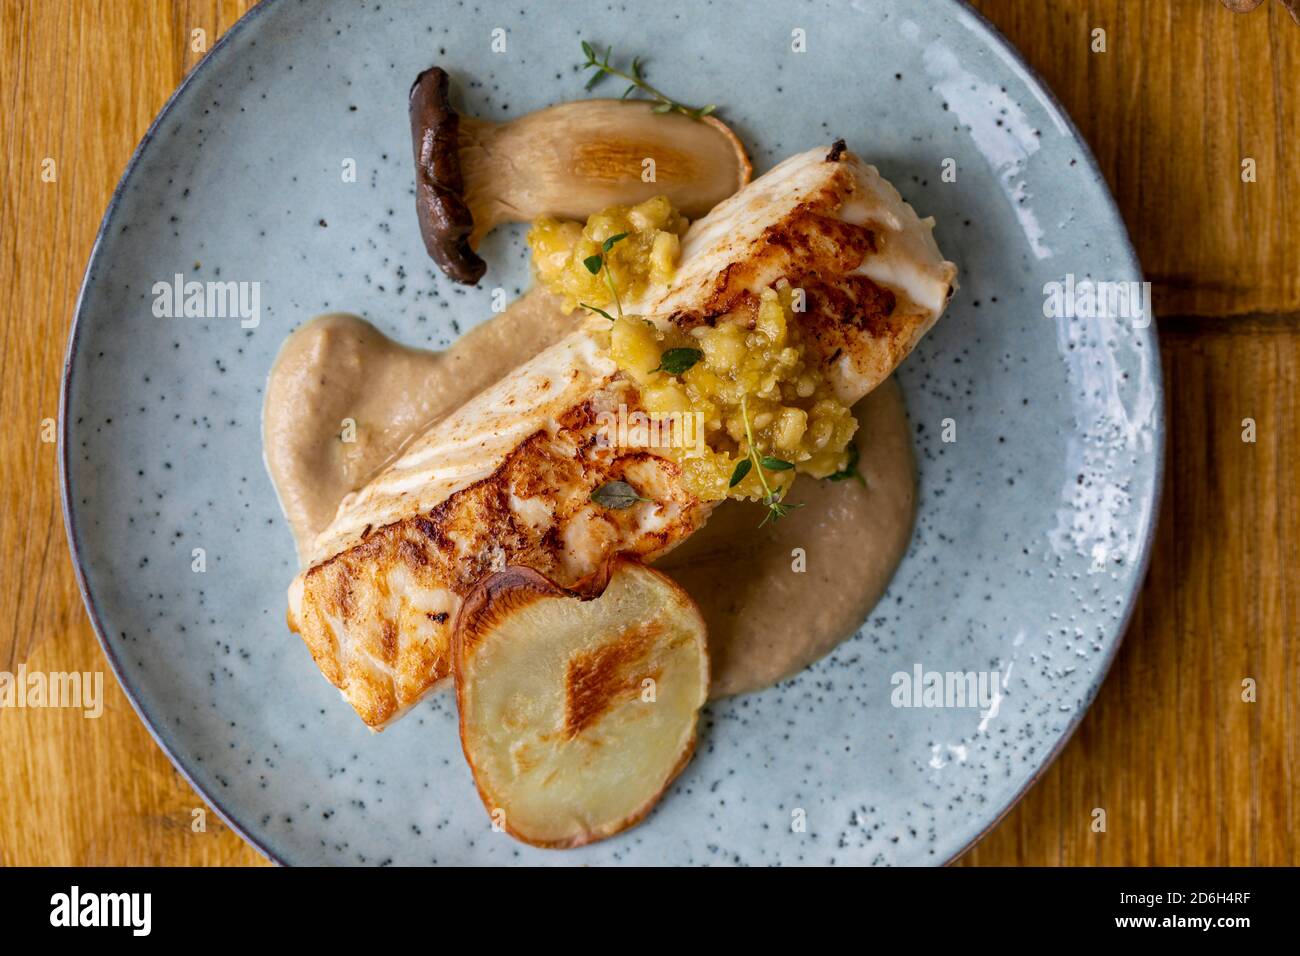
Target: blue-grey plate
<point>1035,520</point>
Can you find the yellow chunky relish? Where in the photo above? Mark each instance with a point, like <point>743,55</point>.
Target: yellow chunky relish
<point>747,380</point>
<point>648,254</point>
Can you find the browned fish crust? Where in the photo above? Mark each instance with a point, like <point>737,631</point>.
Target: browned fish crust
<point>396,592</point>
<point>812,242</point>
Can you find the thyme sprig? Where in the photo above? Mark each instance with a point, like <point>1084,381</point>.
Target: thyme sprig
<point>598,311</point>
<point>637,81</point>
<point>776,508</point>
<point>596,264</point>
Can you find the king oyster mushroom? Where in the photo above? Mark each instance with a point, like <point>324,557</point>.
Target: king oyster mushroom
<point>567,161</point>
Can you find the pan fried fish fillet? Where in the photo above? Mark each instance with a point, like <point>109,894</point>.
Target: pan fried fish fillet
<point>831,225</point>
<point>508,478</point>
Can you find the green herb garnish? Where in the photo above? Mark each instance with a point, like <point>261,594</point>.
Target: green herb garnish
<point>742,469</point>
<point>592,308</point>
<point>776,508</point>
<point>617,495</point>
<point>677,361</point>
<point>596,265</point>
<point>850,469</point>
<point>662,103</point>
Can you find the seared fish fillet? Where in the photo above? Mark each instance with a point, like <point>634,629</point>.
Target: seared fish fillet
<point>508,478</point>
<point>873,279</point>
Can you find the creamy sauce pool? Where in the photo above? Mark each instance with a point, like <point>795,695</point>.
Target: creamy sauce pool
<point>338,369</point>
<point>766,619</point>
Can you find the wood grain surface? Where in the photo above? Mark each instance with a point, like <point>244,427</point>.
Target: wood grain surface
<point>1186,771</point>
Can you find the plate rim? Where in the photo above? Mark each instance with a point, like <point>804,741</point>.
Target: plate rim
<point>65,491</point>
<point>977,23</point>
<point>1152,517</point>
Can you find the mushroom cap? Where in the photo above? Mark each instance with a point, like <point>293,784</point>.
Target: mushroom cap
<point>445,220</point>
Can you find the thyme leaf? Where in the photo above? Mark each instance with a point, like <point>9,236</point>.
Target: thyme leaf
<point>634,76</point>
<point>677,361</point>
<point>596,264</point>
<point>776,508</point>
<point>592,308</point>
<point>742,469</point>
<point>617,495</point>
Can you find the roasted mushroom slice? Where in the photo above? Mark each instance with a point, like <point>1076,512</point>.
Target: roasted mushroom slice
<point>576,712</point>
<point>566,161</point>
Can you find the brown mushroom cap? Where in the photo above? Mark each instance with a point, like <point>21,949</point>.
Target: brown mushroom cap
<point>445,219</point>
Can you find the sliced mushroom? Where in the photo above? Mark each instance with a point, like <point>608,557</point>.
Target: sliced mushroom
<point>567,161</point>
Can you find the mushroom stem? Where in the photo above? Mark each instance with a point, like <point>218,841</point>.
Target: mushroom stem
<point>566,161</point>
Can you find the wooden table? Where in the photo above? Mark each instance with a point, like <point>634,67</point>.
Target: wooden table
<point>1187,772</point>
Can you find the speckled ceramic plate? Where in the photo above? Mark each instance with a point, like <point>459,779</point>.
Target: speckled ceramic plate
<point>1034,524</point>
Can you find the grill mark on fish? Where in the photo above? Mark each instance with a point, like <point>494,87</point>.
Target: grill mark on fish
<point>389,630</point>
<point>472,534</point>
<point>850,300</point>
<point>812,241</point>
<point>412,553</point>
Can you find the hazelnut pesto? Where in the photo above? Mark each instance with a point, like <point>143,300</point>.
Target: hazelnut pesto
<point>767,410</point>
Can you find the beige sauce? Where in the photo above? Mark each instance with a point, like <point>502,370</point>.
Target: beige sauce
<point>766,620</point>
<point>338,369</point>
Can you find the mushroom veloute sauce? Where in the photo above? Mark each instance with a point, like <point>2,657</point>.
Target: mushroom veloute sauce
<point>343,400</point>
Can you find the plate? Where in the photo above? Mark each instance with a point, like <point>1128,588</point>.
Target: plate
<point>1039,438</point>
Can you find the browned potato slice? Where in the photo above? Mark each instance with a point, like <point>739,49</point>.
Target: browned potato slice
<point>577,712</point>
